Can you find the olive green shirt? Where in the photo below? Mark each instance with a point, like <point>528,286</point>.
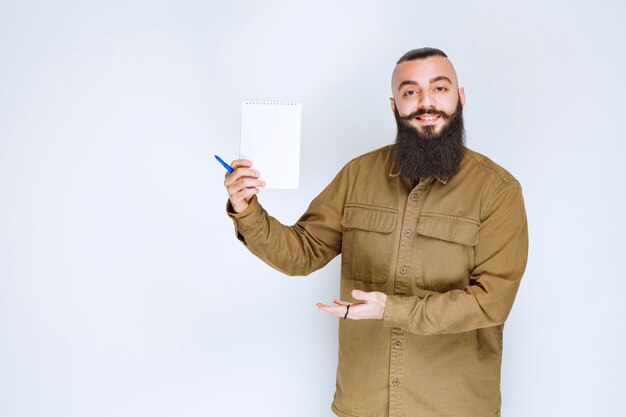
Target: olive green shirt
<point>449,252</point>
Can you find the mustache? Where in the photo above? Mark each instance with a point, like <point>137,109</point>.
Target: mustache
<point>420,112</point>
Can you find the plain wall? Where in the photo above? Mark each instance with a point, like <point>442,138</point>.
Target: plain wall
<point>123,291</point>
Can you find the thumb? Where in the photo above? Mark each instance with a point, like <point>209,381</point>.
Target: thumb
<point>361,295</point>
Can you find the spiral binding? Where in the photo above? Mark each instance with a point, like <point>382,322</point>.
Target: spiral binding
<point>271,102</point>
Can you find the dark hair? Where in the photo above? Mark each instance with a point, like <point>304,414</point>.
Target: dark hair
<point>421,53</point>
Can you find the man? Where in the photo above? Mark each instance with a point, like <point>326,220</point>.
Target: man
<point>434,241</point>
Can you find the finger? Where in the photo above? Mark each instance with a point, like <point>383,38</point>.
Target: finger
<point>340,302</point>
<point>245,183</point>
<point>362,295</point>
<point>335,311</point>
<point>238,189</point>
<point>238,163</point>
<point>246,193</point>
<point>231,177</point>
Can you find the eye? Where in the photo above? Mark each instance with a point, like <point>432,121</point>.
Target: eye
<point>441,89</point>
<point>409,93</point>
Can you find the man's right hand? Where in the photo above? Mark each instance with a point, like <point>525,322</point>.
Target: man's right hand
<point>242,184</point>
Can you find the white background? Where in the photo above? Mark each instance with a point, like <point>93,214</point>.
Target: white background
<point>123,291</point>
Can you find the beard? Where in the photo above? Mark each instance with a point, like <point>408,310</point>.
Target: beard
<point>424,154</point>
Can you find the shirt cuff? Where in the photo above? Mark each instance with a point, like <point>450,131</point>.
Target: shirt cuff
<point>247,219</point>
<point>396,312</point>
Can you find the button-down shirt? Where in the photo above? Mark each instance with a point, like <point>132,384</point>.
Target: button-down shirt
<point>448,252</point>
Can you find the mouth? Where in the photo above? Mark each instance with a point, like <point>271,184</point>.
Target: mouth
<point>427,119</point>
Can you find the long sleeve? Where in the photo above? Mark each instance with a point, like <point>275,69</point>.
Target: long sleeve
<point>306,246</point>
<point>500,261</point>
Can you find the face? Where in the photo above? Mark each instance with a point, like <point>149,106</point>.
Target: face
<point>426,93</point>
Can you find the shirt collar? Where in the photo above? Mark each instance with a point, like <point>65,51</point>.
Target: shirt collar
<point>394,173</point>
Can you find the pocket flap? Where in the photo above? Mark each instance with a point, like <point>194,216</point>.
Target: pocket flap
<point>450,228</point>
<point>371,218</point>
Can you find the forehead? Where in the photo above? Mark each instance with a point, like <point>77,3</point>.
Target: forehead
<point>421,71</point>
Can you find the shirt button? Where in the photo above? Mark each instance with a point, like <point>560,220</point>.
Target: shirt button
<point>396,381</point>
<point>413,196</point>
<point>403,269</point>
<point>397,344</point>
<point>407,232</point>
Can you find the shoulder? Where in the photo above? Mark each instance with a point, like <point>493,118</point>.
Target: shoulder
<point>489,181</point>
<point>380,157</point>
<point>483,167</point>
<point>383,152</point>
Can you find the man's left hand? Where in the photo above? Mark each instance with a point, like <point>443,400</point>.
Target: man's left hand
<point>371,305</point>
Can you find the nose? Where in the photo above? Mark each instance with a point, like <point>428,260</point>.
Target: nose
<point>426,101</point>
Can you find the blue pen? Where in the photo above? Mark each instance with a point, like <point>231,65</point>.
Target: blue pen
<point>228,167</point>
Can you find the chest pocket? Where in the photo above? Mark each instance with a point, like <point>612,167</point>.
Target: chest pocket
<point>445,250</point>
<point>367,242</point>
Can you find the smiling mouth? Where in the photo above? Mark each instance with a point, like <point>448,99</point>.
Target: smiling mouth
<point>427,118</point>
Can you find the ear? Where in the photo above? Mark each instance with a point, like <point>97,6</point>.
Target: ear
<point>462,96</point>
<point>392,101</point>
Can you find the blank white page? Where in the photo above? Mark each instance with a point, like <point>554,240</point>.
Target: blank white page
<point>270,138</point>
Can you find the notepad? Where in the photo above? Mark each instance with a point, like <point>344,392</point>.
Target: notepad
<point>270,138</point>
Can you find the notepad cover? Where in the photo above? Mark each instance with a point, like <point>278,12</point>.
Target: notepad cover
<point>270,138</point>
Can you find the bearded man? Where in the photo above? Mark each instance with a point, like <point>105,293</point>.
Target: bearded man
<point>434,241</point>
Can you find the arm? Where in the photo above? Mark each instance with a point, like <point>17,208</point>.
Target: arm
<point>294,250</point>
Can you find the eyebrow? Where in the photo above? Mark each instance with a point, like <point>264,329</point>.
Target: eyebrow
<point>432,80</point>
<point>407,82</point>
<point>440,78</point>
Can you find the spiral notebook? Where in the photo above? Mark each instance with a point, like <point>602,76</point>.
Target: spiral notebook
<point>270,138</point>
